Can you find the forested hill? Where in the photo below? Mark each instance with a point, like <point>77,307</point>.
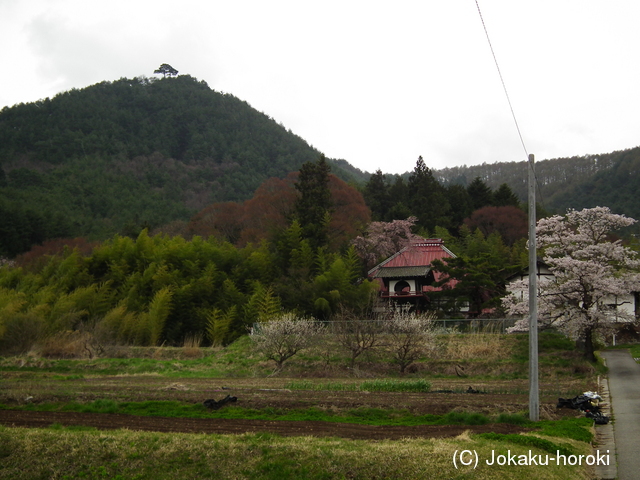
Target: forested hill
<point>609,179</point>
<point>616,187</point>
<point>136,152</point>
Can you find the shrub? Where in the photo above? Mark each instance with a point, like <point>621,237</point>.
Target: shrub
<point>282,338</point>
<point>411,337</point>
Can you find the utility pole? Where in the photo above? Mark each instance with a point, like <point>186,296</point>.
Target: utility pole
<point>534,397</point>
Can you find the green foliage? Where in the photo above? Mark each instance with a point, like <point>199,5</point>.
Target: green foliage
<point>378,197</point>
<point>613,182</point>
<point>480,193</point>
<point>158,289</point>
<point>314,205</point>
<point>263,305</point>
<point>386,385</point>
<point>463,418</point>
<point>575,428</point>
<point>504,196</point>
<point>143,291</point>
<point>396,386</point>
<point>550,341</point>
<point>337,287</point>
<point>513,419</point>
<point>427,198</point>
<point>159,309</point>
<point>480,269</point>
<point>120,156</point>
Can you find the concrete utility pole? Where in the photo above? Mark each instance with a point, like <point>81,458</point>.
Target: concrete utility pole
<point>534,396</point>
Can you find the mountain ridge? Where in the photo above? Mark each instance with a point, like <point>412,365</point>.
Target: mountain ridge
<point>122,155</point>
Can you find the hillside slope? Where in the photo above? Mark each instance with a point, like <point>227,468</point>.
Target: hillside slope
<point>120,155</point>
<point>616,187</point>
<point>576,182</point>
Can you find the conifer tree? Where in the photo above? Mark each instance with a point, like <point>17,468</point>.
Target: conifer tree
<point>480,193</point>
<point>314,205</point>
<point>504,197</point>
<point>166,69</point>
<point>376,194</point>
<point>427,198</point>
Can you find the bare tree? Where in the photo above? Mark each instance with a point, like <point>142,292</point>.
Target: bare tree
<point>411,336</point>
<point>357,335</point>
<point>283,337</point>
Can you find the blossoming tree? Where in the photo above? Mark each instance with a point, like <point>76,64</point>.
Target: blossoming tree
<point>590,273</point>
<point>383,239</point>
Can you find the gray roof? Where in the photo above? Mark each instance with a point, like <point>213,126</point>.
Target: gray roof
<point>402,272</point>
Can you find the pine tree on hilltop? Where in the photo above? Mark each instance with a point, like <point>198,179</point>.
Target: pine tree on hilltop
<point>166,69</point>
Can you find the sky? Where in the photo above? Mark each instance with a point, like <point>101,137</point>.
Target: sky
<point>375,83</point>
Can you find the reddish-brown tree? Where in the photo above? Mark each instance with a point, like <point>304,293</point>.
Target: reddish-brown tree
<point>272,208</point>
<point>37,256</point>
<point>510,222</point>
<point>269,210</point>
<point>350,213</point>
<point>223,220</point>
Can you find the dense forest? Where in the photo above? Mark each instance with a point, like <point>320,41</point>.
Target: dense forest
<point>577,182</point>
<point>150,211</point>
<point>290,247</point>
<point>120,156</point>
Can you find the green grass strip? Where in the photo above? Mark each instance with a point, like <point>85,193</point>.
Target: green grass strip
<point>574,428</point>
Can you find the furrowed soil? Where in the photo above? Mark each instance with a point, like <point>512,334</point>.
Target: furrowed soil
<point>106,421</point>
<point>251,394</point>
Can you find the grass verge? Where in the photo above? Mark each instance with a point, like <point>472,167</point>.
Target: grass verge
<point>74,454</point>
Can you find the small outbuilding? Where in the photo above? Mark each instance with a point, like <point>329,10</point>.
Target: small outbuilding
<point>407,278</point>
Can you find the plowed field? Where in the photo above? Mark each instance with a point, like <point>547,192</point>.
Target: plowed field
<point>141,388</point>
<point>107,421</point>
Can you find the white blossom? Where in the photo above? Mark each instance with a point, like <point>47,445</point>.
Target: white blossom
<point>590,274</point>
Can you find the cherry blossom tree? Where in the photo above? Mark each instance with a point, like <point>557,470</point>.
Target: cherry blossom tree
<point>383,239</point>
<point>591,273</point>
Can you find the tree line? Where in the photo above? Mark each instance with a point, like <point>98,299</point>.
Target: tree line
<point>124,155</point>
<point>289,248</point>
<point>431,202</point>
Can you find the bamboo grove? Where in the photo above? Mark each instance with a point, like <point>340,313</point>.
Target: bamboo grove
<point>150,290</point>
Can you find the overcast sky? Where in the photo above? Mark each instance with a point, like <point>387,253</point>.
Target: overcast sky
<point>375,83</point>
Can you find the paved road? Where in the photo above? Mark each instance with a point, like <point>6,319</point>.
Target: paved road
<point>624,387</point>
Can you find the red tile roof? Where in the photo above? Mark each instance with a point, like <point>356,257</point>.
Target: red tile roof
<point>421,252</point>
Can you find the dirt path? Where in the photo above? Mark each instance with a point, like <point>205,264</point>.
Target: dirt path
<point>15,418</point>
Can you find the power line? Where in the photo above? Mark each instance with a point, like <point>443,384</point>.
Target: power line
<point>504,86</point>
<point>534,389</point>
<point>506,93</point>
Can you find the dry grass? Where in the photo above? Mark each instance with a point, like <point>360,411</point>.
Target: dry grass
<point>479,346</point>
<point>71,344</point>
<point>191,346</point>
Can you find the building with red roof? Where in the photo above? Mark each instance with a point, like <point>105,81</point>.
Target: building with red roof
<point>407,276</point>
